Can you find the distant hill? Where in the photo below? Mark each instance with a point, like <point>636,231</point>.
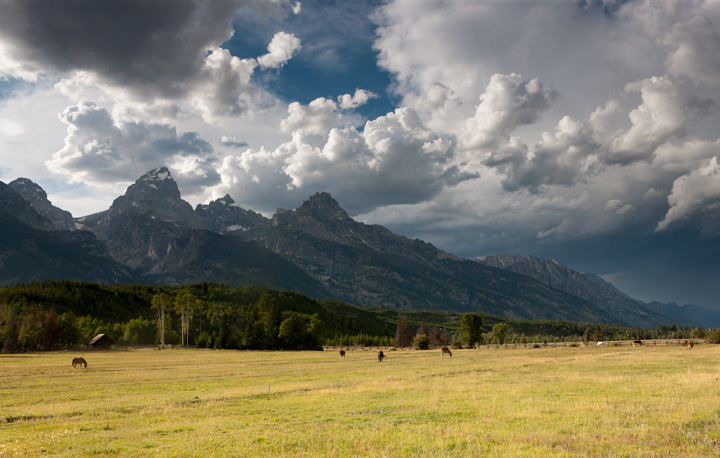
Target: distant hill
<point>603,294</point>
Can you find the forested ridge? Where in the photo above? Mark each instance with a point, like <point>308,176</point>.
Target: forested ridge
<point>65,314</point>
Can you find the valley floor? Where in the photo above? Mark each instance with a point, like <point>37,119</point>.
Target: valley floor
<point>655,401</point>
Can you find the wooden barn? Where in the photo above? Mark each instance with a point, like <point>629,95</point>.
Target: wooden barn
<point>101,342</point>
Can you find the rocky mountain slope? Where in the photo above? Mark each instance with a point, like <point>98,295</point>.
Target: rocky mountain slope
<point>317,249</point>
<point>31,250</point>
<point>587,286</point>
<point>37,197</point>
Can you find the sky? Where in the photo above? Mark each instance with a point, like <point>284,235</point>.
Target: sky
<point>586,131</point>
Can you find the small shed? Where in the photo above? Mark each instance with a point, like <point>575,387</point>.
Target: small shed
<point>101,342</point>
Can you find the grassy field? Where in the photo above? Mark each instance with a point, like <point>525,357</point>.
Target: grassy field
<point>656,401</point>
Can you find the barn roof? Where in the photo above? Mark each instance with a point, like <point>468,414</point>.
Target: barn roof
<point>100,337</point>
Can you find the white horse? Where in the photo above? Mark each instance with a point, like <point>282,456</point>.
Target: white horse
<point>600,344</point>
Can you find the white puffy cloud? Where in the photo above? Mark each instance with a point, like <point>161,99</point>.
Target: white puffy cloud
<point>661,115</point>
<point>224,88</point>
<point>394,159</point>
<point>695,193</point>
<point>316,118</point>
<point>361,97</point>
<point>507,103</point>
<point>281,48</point>
<point>101,151</point>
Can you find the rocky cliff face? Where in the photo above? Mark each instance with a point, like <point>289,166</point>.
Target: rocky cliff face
<point>153,231</point>
<point>154,195</point>
<point>32,250</point>
<point>37,197</point>
<point>14,204</point>
<point>224,216</point>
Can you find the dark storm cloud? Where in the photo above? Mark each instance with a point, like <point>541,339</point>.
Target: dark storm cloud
<point>151,46</point>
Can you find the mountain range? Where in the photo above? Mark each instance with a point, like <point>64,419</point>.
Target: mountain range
<point>150,235</point>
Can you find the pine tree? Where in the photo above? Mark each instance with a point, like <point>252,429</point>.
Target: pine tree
<point>404,334</point>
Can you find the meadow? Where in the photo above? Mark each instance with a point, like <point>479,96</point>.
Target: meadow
<point>654,401</point>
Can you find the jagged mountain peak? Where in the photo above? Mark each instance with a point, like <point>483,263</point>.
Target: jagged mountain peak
<point>323,205</point>
<point>26,187</point>
<point>38,199</point>
<point>159,174</point>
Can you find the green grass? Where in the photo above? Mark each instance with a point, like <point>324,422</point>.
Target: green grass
<point>550,402</point>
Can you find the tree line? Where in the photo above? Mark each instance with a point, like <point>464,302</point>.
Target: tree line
<point>62,314</point>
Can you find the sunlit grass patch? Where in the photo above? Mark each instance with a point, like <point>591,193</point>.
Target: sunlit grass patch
<point>618,401</point>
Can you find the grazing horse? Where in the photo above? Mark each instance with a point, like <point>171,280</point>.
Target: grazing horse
<point>685,343</point>
<point>600,344</point>
<point>690,345</point>
<point>79,362</point>
<point>342,354</point>
<point>446,351</point>
<point>637,343</point>
<point>381,355</point>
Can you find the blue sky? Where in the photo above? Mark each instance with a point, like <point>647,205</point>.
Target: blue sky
<point>580,131</point>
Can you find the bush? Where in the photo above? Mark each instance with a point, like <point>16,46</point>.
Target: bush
<point>713,336</point>
<point>422,342</point>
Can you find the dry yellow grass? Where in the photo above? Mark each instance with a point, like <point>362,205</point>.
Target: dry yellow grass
<point>550,402</point>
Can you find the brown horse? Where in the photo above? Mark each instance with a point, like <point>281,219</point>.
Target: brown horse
<point>446,351</point>
<point>381,356</point>
<point>685,343</point>
<point>79,362</point>
<point>690,345</point>
<point>637,343</point>
<point>342,354</point>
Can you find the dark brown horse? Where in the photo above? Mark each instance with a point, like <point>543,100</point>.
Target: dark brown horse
<point>342,354</point>
<point>79,362</point>
<point>446,351</point>
<point>637,343</point>
<point>381,356</point>
<point>690,345</point>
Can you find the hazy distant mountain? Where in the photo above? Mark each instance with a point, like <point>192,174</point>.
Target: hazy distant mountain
<point>317,249</point>
<point>694,314</point>
<point>37,197</point>
<point>590,287</point>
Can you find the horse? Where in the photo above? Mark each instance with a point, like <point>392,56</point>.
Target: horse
<point>342,354</point>
<point>685,343</point>
<point>381,355</point>
<point>637,343</point>
<point>690,345</point>
<point>600,344</point>
<point>446,351</point>
<point>79,362</point>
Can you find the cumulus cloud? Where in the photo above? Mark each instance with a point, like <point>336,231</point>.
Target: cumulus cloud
<point>100,151</point>
<point>507,103</point>
<point>224,88</point>
<point>662,114</point>
<point>696,50</point>
<point>394,159</point>
<point>696,192</point>
<point>361,97</point>
<point>316,118</point>
<point>281,48</point>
